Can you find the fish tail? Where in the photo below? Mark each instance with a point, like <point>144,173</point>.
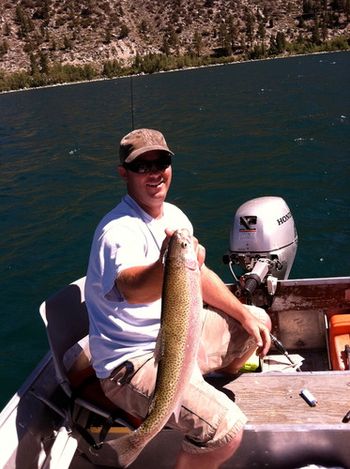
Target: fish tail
<point>128,449</point>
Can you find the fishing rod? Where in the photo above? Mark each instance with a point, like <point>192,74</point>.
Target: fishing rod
<point>132,102</point>
<point>280,347</point>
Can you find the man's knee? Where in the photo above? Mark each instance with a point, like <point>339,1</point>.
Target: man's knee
<point>221,434</point>
<point>261,315</point>
<point>209,459</point>
<point>228,450</point>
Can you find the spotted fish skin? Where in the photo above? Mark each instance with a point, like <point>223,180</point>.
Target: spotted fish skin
<point>177,343</point>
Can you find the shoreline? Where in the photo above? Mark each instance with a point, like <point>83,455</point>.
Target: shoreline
<point>235,62</point>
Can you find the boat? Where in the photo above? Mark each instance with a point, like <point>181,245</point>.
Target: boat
<point>297,399</point>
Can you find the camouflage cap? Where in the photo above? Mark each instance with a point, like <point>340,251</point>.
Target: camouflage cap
<point>140,141</point>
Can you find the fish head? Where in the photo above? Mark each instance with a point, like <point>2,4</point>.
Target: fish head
<point>181,246</point>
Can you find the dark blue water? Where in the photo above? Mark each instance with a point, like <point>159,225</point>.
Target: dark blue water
<point>279,127</point>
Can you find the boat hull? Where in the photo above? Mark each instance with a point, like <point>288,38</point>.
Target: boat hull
<point>283,431</point>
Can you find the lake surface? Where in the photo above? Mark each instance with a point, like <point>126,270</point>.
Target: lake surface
<point>277,127</point>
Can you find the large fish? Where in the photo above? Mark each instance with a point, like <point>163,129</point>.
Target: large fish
<point>177,343</point>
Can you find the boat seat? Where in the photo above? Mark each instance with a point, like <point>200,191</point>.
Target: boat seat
<point>67,325</point>
<point>86,385</point>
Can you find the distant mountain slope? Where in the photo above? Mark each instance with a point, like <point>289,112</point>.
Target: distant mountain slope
<point>38,33</point>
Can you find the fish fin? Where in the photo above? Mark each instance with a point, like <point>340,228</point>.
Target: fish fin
<point>158,351</point>
<point>176,412</point>
<point>165,255</point>
<point>202,358</point>
<point>152,405</point>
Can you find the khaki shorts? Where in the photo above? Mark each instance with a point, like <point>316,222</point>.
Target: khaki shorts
<point>208,417</point>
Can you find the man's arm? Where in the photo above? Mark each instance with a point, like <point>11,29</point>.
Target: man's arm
<point>144,283</point>
<point>217,294</point>
<point>141,284</point>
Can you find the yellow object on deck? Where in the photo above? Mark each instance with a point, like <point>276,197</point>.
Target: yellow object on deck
<point>252,364</point>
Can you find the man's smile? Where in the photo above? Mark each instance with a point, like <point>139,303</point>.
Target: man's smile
<point>155,184</point>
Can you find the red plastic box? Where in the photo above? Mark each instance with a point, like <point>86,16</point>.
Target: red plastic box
<point>339,337</point>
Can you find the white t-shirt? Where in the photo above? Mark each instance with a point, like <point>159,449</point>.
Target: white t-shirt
<point>127,236</point>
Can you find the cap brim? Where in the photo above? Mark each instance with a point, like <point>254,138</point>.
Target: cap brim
<point>136,153</point>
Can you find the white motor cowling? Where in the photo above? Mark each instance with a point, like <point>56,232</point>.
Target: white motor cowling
<point>263,240</point>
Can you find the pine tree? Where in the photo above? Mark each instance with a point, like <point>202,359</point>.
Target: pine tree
<point>165,46</point>
<point>261,30</point>
<point>67,43</point>
<point>143,27</point>
<point>173,39</point>
<point>124,31</point>
<point>249,22</point>
<point>316,39</point>
<point>222,35</point>
<point>44,63</point>
<point>232,34</point>
<point>347,10</point>
<point>108,36</point>
<point>4,47</point>
<point>7,29</point>
<point>324,30</point>
<point>25,23</point>
<point>280,42</point>
<point>34,69</point>
<point>197,43</point>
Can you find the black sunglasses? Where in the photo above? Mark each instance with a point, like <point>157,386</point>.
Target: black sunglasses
<point>147,166</point>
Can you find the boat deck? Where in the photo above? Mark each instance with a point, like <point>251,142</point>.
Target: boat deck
<point>277,401</point>
<point>283,431</point>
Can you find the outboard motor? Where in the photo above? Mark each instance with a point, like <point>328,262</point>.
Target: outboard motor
<point>263,241</point>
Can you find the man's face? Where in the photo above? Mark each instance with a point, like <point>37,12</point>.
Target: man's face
<point>150,188</point>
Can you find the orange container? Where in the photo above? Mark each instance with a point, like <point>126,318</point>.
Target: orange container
<point>339,337</point>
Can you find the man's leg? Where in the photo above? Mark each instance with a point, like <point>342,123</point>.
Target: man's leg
<point>225,344</point>
<point>238,362</point>
<point>211,460</point>
<point>211,422</point>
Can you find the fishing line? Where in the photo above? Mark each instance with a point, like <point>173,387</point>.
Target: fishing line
<point>132,103</point>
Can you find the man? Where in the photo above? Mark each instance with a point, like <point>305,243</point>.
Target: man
<point>123,296</point>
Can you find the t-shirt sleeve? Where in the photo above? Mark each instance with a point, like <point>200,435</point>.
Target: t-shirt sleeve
<point>122,244</point>
<point>119,249</point>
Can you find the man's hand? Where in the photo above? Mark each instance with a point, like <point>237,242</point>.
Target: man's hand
<point>259,331</point>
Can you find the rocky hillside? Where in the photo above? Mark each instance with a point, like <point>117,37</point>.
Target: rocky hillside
<point>38,33</point>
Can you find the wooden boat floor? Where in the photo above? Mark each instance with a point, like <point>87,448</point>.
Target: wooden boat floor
<point>273,398</point>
